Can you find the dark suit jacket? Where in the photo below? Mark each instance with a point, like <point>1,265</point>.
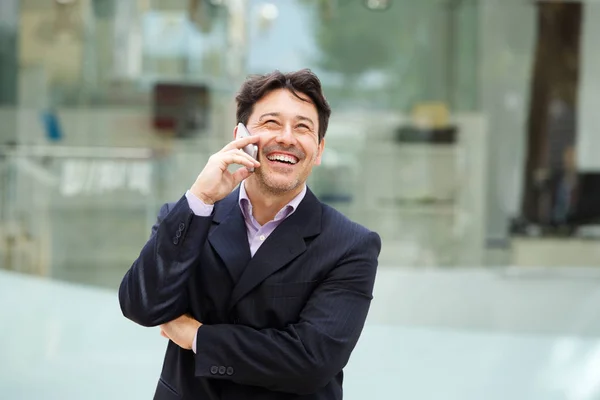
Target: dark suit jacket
<point>279,325</point>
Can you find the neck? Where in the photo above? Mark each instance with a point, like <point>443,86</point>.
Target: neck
<point>266,204</point>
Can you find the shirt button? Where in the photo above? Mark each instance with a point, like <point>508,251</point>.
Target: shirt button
<point>262,237</point>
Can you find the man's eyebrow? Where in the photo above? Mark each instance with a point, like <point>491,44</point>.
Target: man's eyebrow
<point>272,114</point>
<point>303,118</point>
<point>276,114</point>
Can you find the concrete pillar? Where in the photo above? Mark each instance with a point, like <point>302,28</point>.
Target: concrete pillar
<point>506,50</point>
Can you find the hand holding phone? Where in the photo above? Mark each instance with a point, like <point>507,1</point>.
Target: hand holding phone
<point>216,181</point>
<point>250,149</point>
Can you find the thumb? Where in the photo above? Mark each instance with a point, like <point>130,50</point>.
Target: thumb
<point>239,175</point>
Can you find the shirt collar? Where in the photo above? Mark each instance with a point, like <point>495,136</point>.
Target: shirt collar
<point>286,211</point>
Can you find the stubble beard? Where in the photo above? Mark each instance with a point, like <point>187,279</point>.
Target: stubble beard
<point>276,187</point>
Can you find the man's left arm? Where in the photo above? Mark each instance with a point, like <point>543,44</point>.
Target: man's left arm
<point>304,356</point>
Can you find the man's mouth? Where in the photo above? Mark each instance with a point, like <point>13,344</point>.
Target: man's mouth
<point>283,158</point>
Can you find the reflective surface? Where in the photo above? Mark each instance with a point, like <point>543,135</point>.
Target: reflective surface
<point>120,105</point>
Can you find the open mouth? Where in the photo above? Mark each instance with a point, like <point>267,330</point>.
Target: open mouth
<point>283,159</point>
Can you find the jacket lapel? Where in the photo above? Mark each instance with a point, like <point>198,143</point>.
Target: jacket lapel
<point>229,238</point>
<point>281,247</point>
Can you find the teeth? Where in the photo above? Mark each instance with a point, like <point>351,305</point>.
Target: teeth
<point>284,158</point>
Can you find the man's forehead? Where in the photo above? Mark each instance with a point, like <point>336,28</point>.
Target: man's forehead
<point>276,108</point>
<point>298,97</point>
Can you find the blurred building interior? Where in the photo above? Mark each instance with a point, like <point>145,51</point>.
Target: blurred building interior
<point>463,132</point>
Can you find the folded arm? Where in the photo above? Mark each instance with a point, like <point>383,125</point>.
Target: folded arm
<point>153,290</point>
<point>306,355</point>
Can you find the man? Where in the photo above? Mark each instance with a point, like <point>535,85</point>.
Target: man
<point>262,290</point>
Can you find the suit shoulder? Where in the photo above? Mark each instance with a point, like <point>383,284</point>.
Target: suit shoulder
<point>336,221</point>
<point>350,237</point>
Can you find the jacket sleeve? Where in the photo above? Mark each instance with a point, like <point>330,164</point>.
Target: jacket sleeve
<point>154,289</point>
<point>305,356</point>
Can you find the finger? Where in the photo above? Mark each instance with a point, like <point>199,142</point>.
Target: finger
<point>244,154</point>
<point>241,159</point>
<point>240,174</point>
<point>239,143</point>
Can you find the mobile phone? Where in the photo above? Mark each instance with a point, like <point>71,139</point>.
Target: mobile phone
<point>250,149</point>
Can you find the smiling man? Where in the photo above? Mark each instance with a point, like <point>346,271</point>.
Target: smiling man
<point>261,289</point>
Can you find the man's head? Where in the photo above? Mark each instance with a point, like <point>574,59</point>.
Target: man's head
<point>291,114</point>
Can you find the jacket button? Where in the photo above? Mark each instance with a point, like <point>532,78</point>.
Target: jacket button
<point>178,234</point>
<point>229,371</point>
<point>175,240</point>
<point>222,370</point>
<point>181,226</point>
<point>214,370</point>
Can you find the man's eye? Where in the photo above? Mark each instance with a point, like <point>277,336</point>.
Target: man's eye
<point>302,126</point>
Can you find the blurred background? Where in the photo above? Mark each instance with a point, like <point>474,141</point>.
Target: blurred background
<point>463,131</point>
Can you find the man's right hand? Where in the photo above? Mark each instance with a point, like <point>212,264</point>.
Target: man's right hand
<point>215,181</point>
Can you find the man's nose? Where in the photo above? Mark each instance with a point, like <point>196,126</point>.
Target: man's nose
<point>286,136</point>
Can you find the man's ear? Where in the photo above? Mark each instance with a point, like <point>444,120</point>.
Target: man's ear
<point>235,132</point>
<point>320,152</point>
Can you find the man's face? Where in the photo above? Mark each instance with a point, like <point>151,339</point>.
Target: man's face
<point>289,140</point>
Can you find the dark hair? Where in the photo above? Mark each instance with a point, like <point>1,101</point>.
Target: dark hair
<point>303,81</point>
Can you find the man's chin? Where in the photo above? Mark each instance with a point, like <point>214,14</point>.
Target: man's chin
<point>280,184</point>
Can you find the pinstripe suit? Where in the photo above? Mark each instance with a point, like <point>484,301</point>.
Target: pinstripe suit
<point>279,325</point>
